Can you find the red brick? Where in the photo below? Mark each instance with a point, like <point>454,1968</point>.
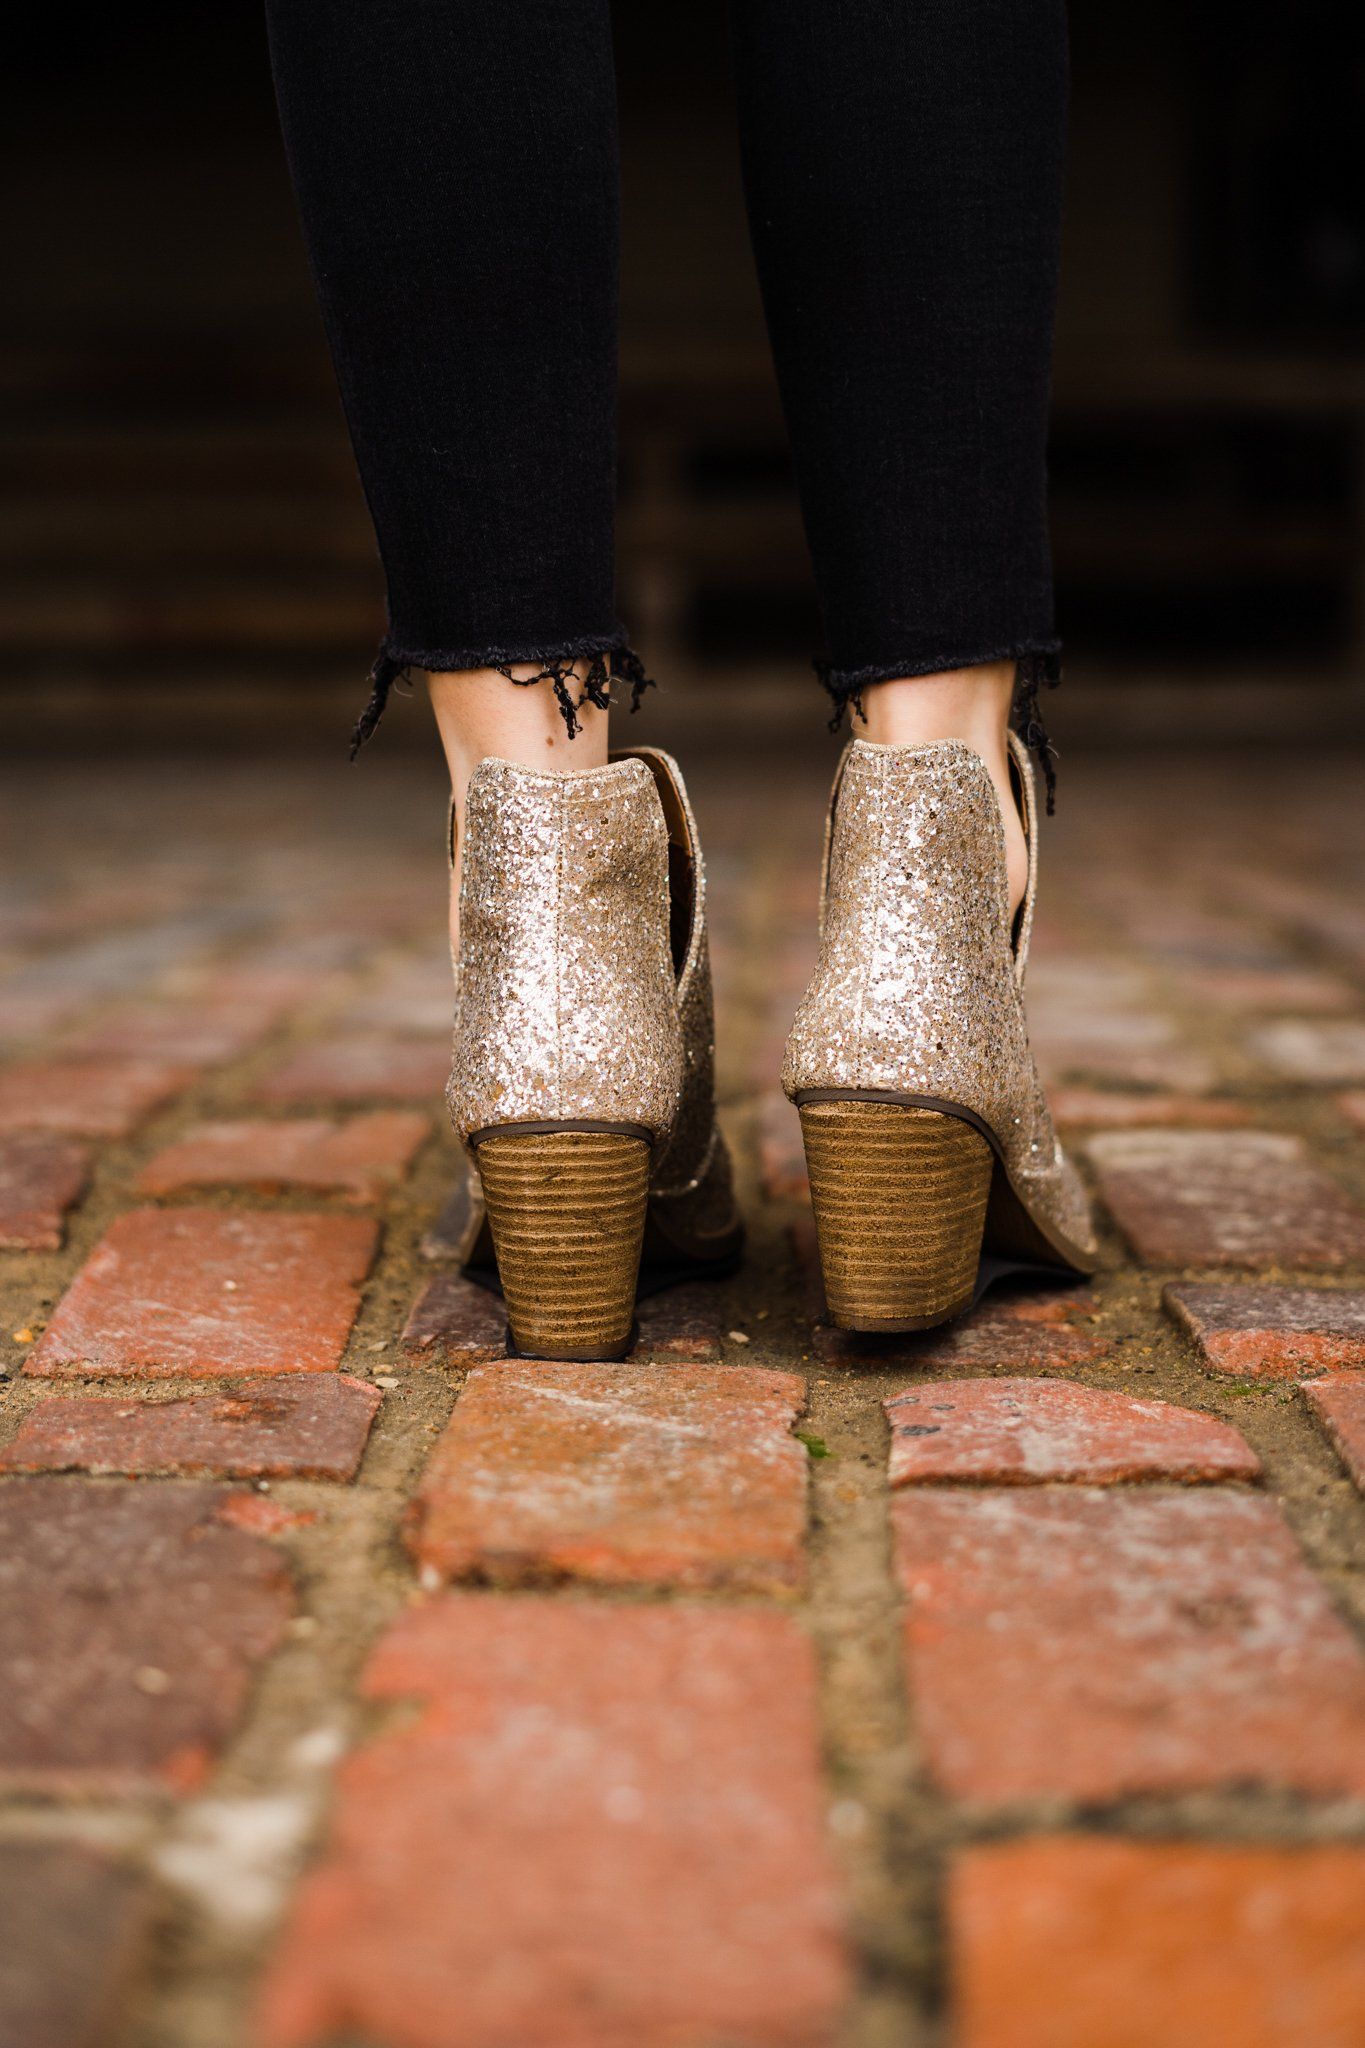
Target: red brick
<point>1316,1052</point>
<point>298,1426</point>
<point>129,1625</point>
<point>97,1098</point>
<point>270,986</point>
<point>605,1827</point>
<point>1100,1109</point>
<point>1030,1330</point>
<point>1338,923</point>
<point>1339,1404</point>
<point>415,996</point>
<point>1077,1942</point>
<point>1271,1333</point>
<point>1281,989</point>
<point>197,1036</point>
<point>676,1475</point>
<point>260,1516</point>
<point>683,1321</point>
<point>765,1059</point>
<point>1076,1038</point>
<point>211,1291</point>
<point>1076,991</point>
<point>1095,1644</point>
<point>40,1177</point>
<point>782,1156</point>
<point>457,1319</point>
<point>680,1322</point>
<point>73,1928</point>
<point>451,1233</point>
<point>360,1158</point>
<point>791,964</point>
<point>35,1012</point>
<point>467,1323</point>
<point>1027,1329</point>
<point>360,1069</point>
<point>1025,1431</point>
<point>1234,1198</point>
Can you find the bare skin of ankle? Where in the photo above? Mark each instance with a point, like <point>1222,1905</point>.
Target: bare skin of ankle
<point>968,704</point>
<point>481,714</point>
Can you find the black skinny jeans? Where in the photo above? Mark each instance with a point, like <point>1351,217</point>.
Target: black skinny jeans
<point>456,168</point>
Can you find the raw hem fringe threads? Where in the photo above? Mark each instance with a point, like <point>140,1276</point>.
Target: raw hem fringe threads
<point>1032,672</point>
<point>619,664</point>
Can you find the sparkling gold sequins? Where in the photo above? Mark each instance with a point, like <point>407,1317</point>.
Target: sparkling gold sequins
<point>918,989</point>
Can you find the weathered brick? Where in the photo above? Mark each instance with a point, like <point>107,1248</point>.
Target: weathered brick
<point>96,1098</point>
<point>261,1516</point>
<point>73,1927</point>
<point>1282,989</point>
<point>1335,922</point>
<point>680,1322</point>
<point>41,1175</point>
<point>1028,1329</point>
<point>1154,921</point>
<point>605,1827</point>
<point>467,1323</point>
<point>1103,1109</point>
<point>1077,1942</point>
<point>676,1475</point>
<point>189,1035</point>
<point>1227,1198</point>
<point>1339,1404</point>
<point>1094,1643</point>
<point>362,1068</point>
<point>415,996</point>
<point>35,1012</point>
<point>1033,1331</point>
<point>766,1056</point>
<point>360,1157</point>
<point>1092,1024</point>
<point>450,1233</point>
<point>458,1319</point>
<point>1323,1052</point>
<point>266,983</point>
<point>1026,1431</point>
<point>300,1426</point>
<point>129,1625</point>
<point>1070,989</point>
<point>683,1321</point>
<point>781,1154</point>
<point>1271,1333</point>
<point>211,1291</point>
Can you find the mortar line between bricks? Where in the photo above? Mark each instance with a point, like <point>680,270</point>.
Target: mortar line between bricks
<point>854,1613</point>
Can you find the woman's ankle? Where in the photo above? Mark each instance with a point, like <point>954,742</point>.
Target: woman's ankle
<point>482,714</point>
<point>967,704</point>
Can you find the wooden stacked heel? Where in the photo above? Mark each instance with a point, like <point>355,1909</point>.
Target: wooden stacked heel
<point>567,1213</point>
<point>900,1199</point>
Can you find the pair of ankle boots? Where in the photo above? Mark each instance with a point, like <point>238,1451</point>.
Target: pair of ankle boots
<point>583,1083</point>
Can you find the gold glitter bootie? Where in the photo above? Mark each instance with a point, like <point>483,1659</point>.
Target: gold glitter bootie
<point>582,1031</point>
<point>929,1143</point>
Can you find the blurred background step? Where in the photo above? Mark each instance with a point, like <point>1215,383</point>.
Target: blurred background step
<point>178,504</point>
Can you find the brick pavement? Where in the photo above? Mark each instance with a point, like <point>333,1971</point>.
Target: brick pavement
<point>1002,1688</point>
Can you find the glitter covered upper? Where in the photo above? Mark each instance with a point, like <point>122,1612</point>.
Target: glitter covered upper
<point>565,1002</point>
<point>919,985</point>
